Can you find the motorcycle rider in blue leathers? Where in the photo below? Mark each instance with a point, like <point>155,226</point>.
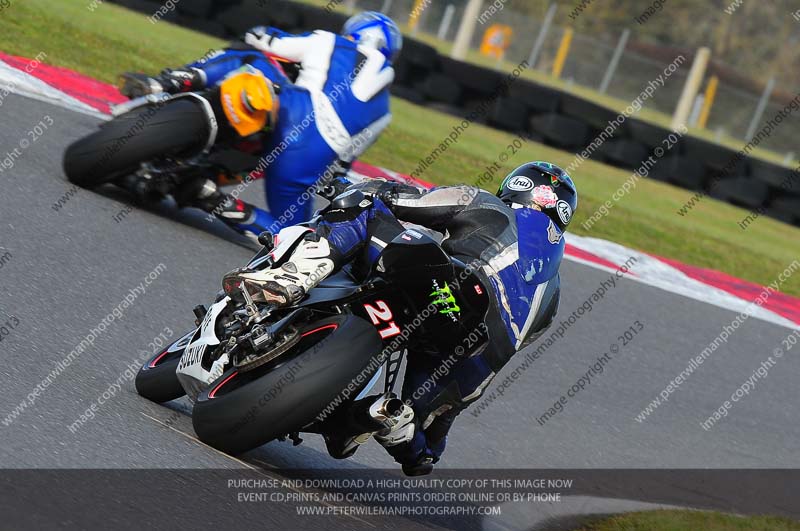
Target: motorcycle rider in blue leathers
<point>335,109</point>
<point>512,241</point>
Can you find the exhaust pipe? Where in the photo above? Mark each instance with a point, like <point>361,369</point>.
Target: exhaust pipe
<point>386,411</point>
<point>371,415</point>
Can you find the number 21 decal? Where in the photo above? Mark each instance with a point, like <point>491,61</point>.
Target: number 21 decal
<point>382,314</point>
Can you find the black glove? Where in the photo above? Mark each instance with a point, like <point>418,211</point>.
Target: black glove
<point>334,187</point>
<point>386,191</point>
<point>177,81</point>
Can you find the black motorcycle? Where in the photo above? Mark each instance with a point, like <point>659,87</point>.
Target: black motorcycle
<point>313,367</point>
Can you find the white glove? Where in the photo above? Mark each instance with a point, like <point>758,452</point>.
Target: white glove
<point>257,40</point>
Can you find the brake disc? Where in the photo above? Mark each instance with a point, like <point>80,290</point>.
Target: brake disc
<point>252,361</point>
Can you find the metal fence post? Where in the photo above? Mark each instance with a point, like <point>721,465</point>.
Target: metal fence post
<point>537,46</point>
<point>466,29</point>
<point>690,88</point>
<point>413,18</point>
<point>612,65</point>
<point>708,101</point>
<point>760,108</point>
<point>387,7</point>
<point>563,51</point>
<point>697,109</point>
<point>447,19</point>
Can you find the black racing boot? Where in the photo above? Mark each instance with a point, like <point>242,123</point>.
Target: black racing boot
<point>244,218</point>
<point>135,84</point>
<point>422,467</point>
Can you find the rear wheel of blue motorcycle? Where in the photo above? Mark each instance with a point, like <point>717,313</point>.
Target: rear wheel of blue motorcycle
<point>178,128</point>
<point>335,358</point>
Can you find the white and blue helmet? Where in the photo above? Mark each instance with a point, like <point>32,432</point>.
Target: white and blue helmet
<point>376,30</point>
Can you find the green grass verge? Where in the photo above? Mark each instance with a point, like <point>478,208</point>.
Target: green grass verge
<point>676,520</point>
<point>100,43</point>
<point>111,39</point>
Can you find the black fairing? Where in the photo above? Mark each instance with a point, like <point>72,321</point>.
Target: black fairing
<point>472,291</point>
<point>413,257</point>
<point>334,288</point>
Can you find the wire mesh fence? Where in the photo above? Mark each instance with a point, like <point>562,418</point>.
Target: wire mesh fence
<point>587,62</point>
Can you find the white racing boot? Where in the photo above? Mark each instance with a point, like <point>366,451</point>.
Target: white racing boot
<point>309,264</point>
<point>402,431</point>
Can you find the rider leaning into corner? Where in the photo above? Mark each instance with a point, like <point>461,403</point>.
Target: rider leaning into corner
<point>513,241</point>
<point>335,109</point>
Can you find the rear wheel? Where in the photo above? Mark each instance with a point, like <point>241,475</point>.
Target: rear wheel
<point>177,128</point>
<point>243,410</point>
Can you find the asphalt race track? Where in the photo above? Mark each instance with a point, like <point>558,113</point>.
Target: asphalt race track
<point>68,268</point>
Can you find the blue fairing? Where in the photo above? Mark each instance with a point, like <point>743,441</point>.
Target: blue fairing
<point>538,262</point>
<point>539,258</point>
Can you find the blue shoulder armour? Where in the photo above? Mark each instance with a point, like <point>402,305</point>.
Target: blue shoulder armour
<point>541,245</point>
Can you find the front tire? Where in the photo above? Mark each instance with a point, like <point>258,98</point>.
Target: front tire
<point>241,411</point>
<point>157,380</point>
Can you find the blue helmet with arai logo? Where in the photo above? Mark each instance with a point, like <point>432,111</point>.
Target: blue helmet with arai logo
<point>522,185</point>
<point>376,30</point>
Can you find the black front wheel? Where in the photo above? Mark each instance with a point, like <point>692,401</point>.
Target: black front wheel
<point>333,361</point>
<point>157,379</point>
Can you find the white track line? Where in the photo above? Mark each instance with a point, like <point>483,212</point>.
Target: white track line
<point>18,82</point>
<point>654,272</point>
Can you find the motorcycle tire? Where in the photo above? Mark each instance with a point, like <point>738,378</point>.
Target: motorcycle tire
<point>157,381</point>
<point>178,127</point>
<point>243,410</point>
